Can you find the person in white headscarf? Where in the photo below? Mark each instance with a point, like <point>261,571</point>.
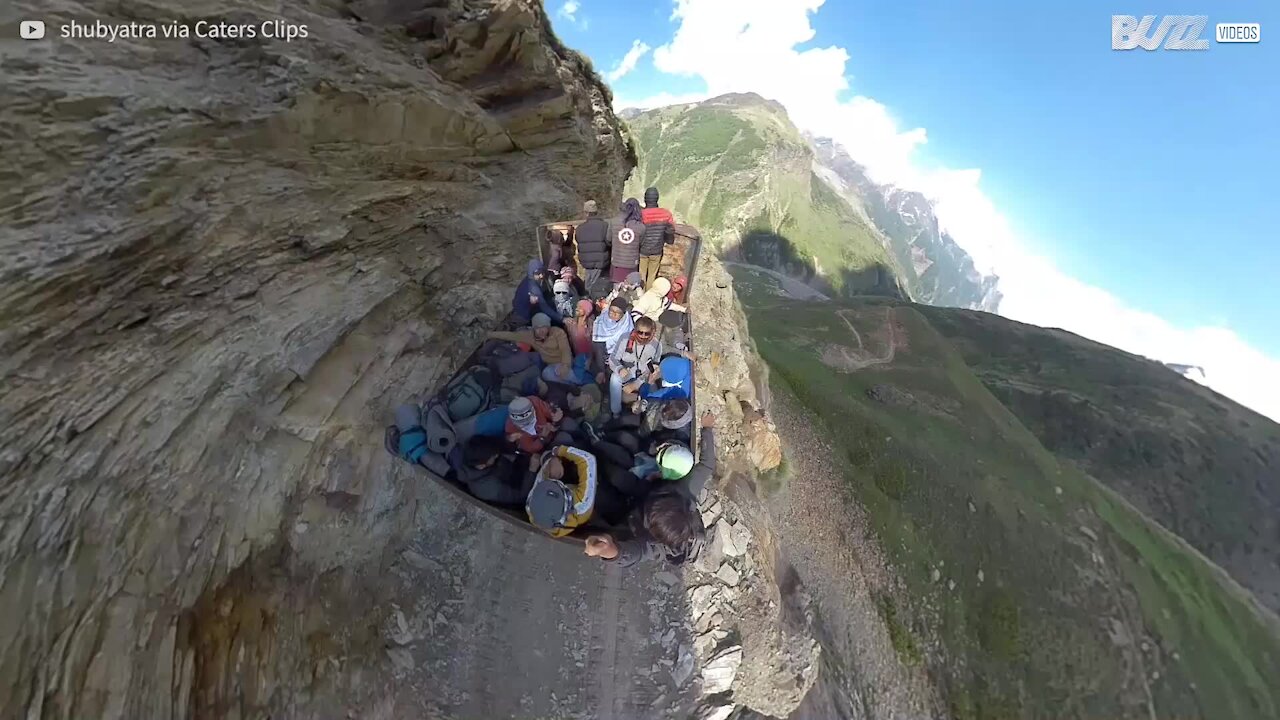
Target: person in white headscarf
<point>612,327</point>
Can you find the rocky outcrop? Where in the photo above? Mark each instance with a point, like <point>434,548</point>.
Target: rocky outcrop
<point>753,622</point>
<point>223,261</point>
<point>732,380</point>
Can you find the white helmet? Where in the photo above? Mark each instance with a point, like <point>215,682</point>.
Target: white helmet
<point>675,460</point>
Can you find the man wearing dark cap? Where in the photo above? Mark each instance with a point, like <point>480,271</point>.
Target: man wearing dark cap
<point>659,231</point>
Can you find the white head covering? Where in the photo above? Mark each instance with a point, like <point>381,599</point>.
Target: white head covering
<point>522,415</point>
<point>610,332</point>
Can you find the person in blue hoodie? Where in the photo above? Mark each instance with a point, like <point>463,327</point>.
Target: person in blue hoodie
<point>531,297</point>
<point>672,380</point>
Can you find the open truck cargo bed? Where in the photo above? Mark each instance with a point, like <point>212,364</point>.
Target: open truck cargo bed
<point>679,258</point>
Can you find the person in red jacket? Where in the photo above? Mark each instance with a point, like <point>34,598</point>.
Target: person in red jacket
<point>659,231</point>
<point>534,425</point>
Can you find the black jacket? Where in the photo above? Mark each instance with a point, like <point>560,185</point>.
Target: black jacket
<point>503,483</point>
<point>593,244</point>
<point>641,545</point>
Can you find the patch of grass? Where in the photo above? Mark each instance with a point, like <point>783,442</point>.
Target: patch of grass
<point>997,623</point>
<point>904,643</point>
<point>1026,606</point>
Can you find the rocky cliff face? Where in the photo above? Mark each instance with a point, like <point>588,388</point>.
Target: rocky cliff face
<point>223,261</point>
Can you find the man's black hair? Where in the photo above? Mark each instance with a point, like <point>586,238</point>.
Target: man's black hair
<point>481,449</point>
<point>670,521</point>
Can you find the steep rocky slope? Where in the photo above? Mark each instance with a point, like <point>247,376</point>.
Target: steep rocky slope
<point>935,269</point>
<point>1201,465</point>
<point>223,261</point>
<point>1018,578</point>
<point>737,167</point>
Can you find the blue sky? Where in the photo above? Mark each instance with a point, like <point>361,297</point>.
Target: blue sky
<point>1143,182</point>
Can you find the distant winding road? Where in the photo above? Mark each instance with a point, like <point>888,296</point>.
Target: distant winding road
<point>848,362</point>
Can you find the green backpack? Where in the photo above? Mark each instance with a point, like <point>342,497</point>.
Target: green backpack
<point>468,393</point>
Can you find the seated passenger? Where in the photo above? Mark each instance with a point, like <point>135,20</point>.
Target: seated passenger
<point>490,476</point>
<point>551,344</point>
<point>678,288</point>
<point>565,298</point>
<point>611,328</point>
<point>672,380</point>
<point>631,363</point>
<point>667,523</point>
<point>667,422</point>
<point>655,300</point>
<point>626,476</point>
<point>570,275</point>
<point>564,492</point>
<point>533,425</point>
<point>665,461</point>
<point>531,297</point>
<point>629,289</point>
<point>580,326</point>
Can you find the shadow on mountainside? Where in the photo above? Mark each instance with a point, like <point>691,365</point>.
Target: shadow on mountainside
<point>775,251</point>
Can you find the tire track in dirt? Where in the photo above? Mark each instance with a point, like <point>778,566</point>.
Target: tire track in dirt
<point>607,670</point>
<point>508,624</point>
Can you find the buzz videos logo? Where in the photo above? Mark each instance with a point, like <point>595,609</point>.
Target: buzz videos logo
<point>31,29</point>
<point>1176,32</point>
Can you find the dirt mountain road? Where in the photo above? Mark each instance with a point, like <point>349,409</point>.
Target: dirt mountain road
<point>482,620</point>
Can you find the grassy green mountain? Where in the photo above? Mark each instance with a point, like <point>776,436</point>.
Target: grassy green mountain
<point>1031,587</point>
<point>737,168</point>
<point>1202,466</point>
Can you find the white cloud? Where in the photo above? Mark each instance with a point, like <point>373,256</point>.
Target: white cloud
<point>662,99</point>
<point>569,11</point>
<point>750,45</point>
<point>638,50</point>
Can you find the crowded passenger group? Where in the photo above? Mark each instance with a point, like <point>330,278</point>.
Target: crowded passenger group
<point>580,410</point>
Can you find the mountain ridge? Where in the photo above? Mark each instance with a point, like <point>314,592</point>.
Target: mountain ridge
<point>765,192</point>
<point>738,168</point>
<point>938,270</point>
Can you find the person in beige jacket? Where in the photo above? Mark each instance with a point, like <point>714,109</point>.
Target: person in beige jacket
<point>551,344</point>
